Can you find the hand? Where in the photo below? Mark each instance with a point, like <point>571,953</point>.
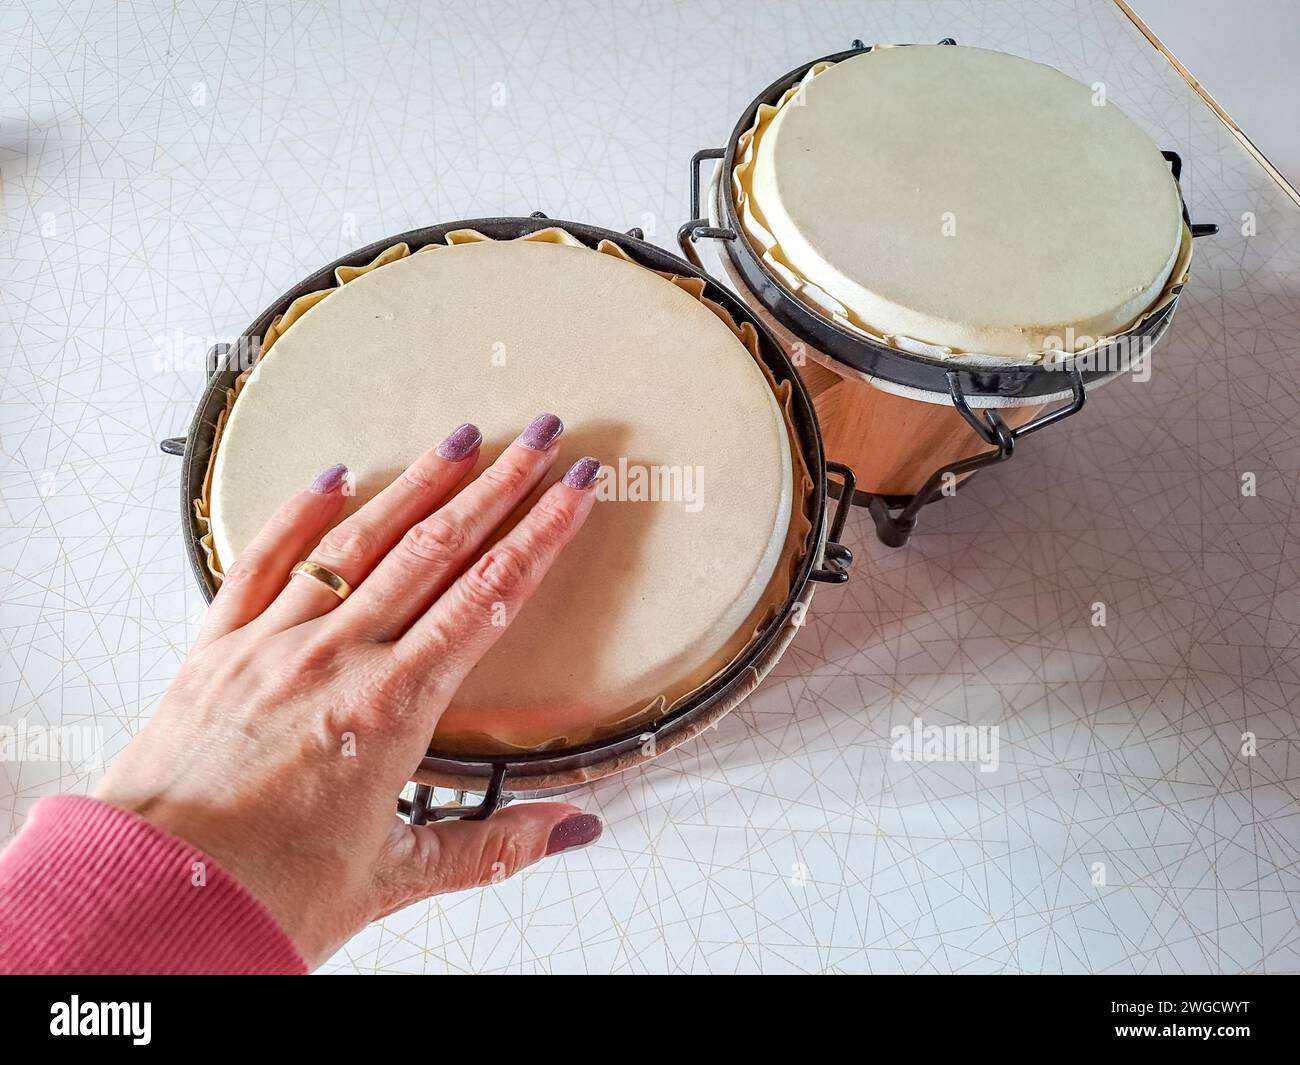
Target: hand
<point>297,718</point>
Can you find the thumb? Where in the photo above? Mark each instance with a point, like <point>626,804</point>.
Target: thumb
<point>455,855</point>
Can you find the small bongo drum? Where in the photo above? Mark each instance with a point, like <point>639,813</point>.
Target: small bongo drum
<point>952,244</point>
<point>694,568</point>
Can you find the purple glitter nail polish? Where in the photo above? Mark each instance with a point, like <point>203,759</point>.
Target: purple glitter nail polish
<point>460,442</point>
<point>541,433</point>
<point>582,473</point>
<point>576,831</point>
<point>329,480</point>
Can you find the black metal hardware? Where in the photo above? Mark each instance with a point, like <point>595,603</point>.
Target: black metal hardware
<point>699,226</point>
<point>699,157</point>
<point>215,361</point>
<point>217,357</point>
<point>896,516</point>
<point>836,558</point>
<point>859,45</point>
<point>418,811</point>
<point>1199,229</point>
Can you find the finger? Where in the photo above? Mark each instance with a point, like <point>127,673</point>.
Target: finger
<point>457,855</point>
<point>357,544</point>
<point>435,551</point>
<point>262,568</point>
<point>457,631</point>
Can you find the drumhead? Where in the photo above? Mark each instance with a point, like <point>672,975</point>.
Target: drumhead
<point>700,520</point>
<point>957,200</point>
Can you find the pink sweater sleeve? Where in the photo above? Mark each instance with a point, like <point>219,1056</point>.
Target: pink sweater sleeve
<point>86,887</point>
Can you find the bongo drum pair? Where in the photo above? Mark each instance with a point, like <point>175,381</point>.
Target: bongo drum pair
<point>916,238</point>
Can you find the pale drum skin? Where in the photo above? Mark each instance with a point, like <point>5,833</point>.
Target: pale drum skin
<point>660,595</point>
<point>966,200</point>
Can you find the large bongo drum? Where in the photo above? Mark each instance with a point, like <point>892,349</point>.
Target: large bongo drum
<point>710,529</point>
<point>954,245</point>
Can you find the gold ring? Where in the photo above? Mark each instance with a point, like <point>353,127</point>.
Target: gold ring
<point>327,577</point>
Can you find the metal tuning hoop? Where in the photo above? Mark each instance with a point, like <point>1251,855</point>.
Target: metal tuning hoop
<point>895,516</point>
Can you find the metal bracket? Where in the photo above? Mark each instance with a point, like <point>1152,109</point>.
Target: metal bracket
<point>895,516</point>
<point>175,445</point>
<point>836,558</point>
<point>859,45</point>
<point>699,226</point>
<point>216,356</point>
<point>1199,229</point>
<point>418,811</point>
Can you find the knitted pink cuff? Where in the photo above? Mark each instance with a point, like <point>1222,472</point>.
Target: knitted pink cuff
<point>87,887</point>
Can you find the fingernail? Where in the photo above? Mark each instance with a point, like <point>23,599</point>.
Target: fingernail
<point>541,432</point>
<point>576,831</point>
<point>329,480</point>
<point>582,473</point>
<point>460,442</point>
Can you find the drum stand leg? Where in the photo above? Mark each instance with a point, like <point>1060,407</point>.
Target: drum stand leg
<point>896,516</point>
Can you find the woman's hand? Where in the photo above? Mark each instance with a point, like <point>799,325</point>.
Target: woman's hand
<point>297,718</point>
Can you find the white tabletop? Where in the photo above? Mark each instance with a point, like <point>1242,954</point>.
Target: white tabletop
<point>169,170</point>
